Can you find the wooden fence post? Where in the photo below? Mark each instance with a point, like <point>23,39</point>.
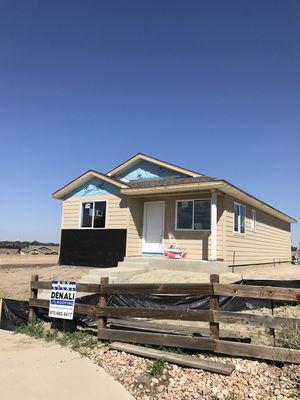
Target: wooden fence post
<point>233,262</point>
<point>33,295</point>
<point>272,330</point>
<point>214,306</point>
<point>102,303</point>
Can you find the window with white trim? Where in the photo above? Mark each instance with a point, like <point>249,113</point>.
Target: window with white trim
<point>253,219</point>
<point>93,214</point>
<point>193,215</point>
<point>239,218</point>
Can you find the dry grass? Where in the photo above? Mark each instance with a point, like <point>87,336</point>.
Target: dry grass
<point>23,259</point>
<point>15,282</point>
<point>289,336</point>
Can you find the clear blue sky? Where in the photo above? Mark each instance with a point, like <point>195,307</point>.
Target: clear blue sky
<point>210,85</point>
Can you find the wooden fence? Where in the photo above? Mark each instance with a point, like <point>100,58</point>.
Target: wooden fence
<point>164,336</point>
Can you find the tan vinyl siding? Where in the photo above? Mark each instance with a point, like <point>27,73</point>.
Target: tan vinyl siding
<point>135,227</point>
<point>70,215</point>
<point>196,243</point>
<point>128,213</point>
<point>220,226</point>
<point>271,238</point>
<point>116,212</point>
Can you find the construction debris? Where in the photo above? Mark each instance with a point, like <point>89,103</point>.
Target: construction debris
<point>188,361</point>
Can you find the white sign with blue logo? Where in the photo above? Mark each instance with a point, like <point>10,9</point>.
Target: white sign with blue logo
<point>62,299</point>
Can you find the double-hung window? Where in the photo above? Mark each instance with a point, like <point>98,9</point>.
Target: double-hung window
<point>193,215</point>
<point>93,214</point>
<point>239,218</point>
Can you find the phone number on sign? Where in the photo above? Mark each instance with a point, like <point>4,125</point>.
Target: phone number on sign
<point>60,314</point>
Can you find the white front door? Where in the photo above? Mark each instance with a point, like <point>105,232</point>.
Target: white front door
<point>153,230</point>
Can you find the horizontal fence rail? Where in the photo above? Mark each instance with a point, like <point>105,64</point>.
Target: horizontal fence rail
<point>160,339</point>
<point>256,292</point>
<point>79,308</point>
<point>80,287</point>
<point>269,321</point>
<point>157,313</point>
<point>159,288</point>
<point>168,335</point>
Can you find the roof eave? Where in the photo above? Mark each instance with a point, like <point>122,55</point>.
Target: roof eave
<point>170,188</point>
<point>220,185</point>
<point>81,180</point>
<point>256,202</point>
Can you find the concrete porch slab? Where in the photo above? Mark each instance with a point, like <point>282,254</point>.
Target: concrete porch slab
<point>150,263</point>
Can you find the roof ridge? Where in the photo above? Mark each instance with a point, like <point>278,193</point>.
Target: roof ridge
<point>154,159</point>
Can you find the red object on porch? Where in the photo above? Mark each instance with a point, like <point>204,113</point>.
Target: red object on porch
<point>174,253</point>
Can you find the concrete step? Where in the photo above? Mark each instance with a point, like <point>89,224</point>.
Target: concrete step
<point>175,264</point>
<point>117,277</point>
<point>138,259</point>
<point>115,271</point>
<point>92,278</point>
<point>96,279</point>
<point>133,265</point>
<point>103,271</point>
<point>190,265</point>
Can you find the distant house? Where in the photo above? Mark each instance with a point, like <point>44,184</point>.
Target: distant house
<point>42,249</point>
<point>9,251</point>
<point>145,206</point>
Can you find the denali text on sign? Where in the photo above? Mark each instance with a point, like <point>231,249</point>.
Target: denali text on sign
<point>62,299</point>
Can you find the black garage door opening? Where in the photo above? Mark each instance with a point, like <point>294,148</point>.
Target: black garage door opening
<point>92,247</point>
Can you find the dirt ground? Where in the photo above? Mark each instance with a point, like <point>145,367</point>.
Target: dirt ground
<point>15,282</point>
<point>259,335</point>
<point>279,272</point>
<point>23,259</point>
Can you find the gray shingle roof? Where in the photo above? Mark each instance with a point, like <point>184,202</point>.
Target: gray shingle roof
<point>168,181</point>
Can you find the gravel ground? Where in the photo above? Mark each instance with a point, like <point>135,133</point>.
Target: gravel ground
<point>250,380</point>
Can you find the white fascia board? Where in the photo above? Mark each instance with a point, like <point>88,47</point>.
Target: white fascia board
<point>256,203</point>
<point>220,185</point>
<point>81,180</point>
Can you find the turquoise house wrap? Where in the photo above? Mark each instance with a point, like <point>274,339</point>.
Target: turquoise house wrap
<point>95,187</point>
<point>146,170</point>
